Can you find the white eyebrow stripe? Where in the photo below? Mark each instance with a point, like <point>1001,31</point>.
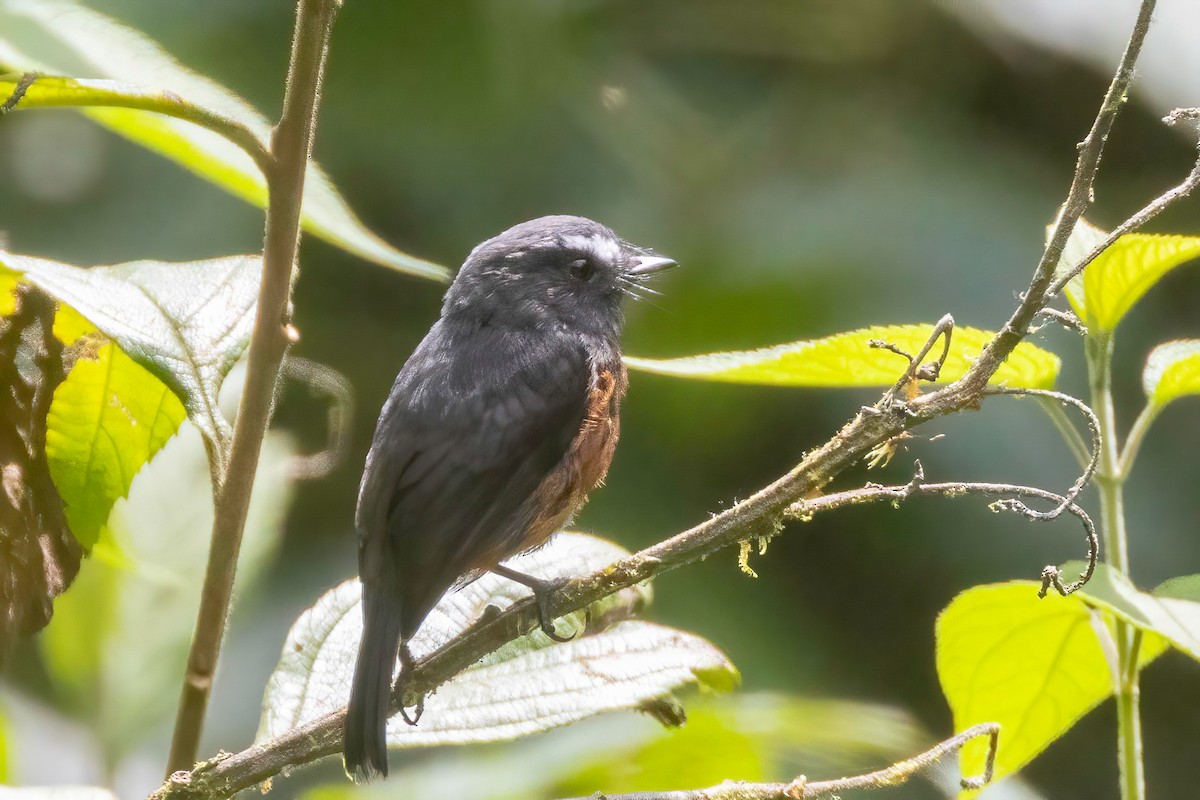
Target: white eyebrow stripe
<point>604,248</point>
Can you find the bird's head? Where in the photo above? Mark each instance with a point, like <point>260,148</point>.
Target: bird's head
<point>553,271</point>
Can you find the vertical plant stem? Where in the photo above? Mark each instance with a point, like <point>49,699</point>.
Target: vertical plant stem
<point>291,145</point>
<point>1133,443</point>
<point>1110,479</point>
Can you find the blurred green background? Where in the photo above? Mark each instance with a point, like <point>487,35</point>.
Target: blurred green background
<point>815,166</point>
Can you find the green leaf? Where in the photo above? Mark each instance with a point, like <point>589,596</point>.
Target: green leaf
<point>63,37</point>
<point>1162,613</point>
<point>1172,371</point>
<point>1035,666</point>
<point>848,360</point>
<point>1185,587</point>
<point>185,322</point>
<point>624,664</point>
<point>1119,276</point>
<point>118,643</point>
<point>108,418</point>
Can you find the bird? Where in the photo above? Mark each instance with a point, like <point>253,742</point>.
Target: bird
<point>497,427</point>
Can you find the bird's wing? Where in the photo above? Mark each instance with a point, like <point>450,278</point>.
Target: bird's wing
<point>476,421</point>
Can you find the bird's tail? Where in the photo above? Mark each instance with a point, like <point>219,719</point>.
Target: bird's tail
<point>365,751</point>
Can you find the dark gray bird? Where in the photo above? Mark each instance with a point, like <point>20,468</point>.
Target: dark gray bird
<point>496,429</point>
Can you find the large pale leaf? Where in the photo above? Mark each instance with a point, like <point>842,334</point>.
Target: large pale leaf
<point>107,419</point>
<point>59,36</point>
<point>185,322</point>
<point>1172,371</point>
<point>848,360</point>
<point>118,645</point>
<point>532,684</point>
<point>1033,665</point>
<point>629,666</point>
<point>1119,276</point>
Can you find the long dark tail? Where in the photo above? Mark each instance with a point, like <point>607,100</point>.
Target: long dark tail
<point>365,752</point>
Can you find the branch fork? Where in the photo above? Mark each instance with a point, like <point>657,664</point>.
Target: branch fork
<point>917,370</point>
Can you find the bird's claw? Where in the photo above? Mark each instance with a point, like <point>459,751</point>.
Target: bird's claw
<point>406,668</point>
<point>541,589</point>
<point>545,621</point>
<point>418,710</point>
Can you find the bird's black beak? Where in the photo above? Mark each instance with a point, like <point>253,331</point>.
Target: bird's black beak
<point>644,266</point>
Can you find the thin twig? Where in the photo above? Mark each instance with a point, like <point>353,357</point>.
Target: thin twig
<point>291,147</point>
<point>26,80</point>
<point>917,369</point>
<point>1093,425</point>
<point>1069,432</point>
<point>803,789</point>
<point>1133,223</point>
<point>805,509</point>
<point>1079,197</point>
<point>1145,214</point>
<point>1067,319</point>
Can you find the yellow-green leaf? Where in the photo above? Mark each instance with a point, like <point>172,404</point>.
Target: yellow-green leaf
<point>107,419</point>
<point>1172,371</point>
<point>1035,666</point>
<point>186,322</point>
<point>67,37</point>
<point>3,748</point>
<point>849,360</point>
<point>69,324</point>
<point>8,300</point>
<point>53,91</point>
<point>1119,276</point>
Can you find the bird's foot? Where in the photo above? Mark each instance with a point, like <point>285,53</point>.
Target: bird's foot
<point>541,589</point>
<point>418,710</point>
<point>406,668</point>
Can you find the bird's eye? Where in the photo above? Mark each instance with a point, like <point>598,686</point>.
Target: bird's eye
<point>582,269</point>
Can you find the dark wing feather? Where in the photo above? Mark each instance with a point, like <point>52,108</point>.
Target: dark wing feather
<point>476,420</point>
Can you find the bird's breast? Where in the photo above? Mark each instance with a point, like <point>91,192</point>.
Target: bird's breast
<point>564,491</point>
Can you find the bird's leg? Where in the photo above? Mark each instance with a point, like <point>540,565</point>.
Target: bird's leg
<point>406,668</point>
<point>541,589</point>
